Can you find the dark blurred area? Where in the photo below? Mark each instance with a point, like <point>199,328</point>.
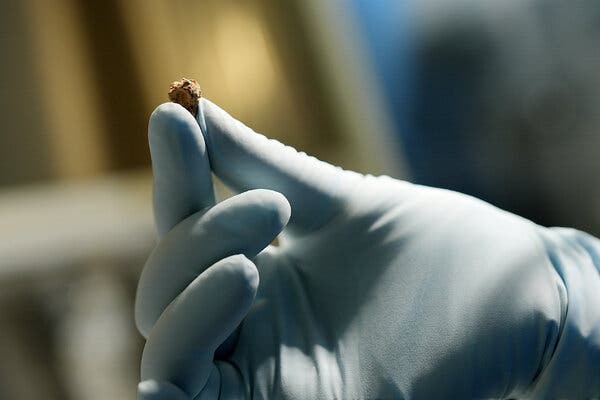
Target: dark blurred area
<point>497,99</point>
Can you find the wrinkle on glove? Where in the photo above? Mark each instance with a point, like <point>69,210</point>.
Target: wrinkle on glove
<point>574,369</point>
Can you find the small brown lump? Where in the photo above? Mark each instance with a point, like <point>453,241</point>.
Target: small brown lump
<point>186,92</point>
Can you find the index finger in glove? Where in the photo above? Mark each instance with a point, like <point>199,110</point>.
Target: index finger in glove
<point>243,224</point>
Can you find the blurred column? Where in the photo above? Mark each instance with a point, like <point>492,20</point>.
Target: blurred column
<point>96,338</point>
<point>26,370</point>
<point>67,94</point>
<point>24,154</point>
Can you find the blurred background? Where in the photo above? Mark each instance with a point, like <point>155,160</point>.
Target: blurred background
<point>495,98</point>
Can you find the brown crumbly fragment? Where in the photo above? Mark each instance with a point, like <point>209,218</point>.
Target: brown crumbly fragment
<point>187,93</point>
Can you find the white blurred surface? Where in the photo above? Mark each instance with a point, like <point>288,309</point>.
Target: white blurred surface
<point>59,225</point>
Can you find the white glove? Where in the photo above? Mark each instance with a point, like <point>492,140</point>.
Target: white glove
<point>380,289</point>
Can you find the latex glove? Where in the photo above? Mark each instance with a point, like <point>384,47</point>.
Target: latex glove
<point>379,288</point>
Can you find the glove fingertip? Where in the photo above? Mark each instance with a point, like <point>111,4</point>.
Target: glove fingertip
<point>169,117</point>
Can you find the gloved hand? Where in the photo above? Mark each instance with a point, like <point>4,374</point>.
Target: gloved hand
<point>379,289</point>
